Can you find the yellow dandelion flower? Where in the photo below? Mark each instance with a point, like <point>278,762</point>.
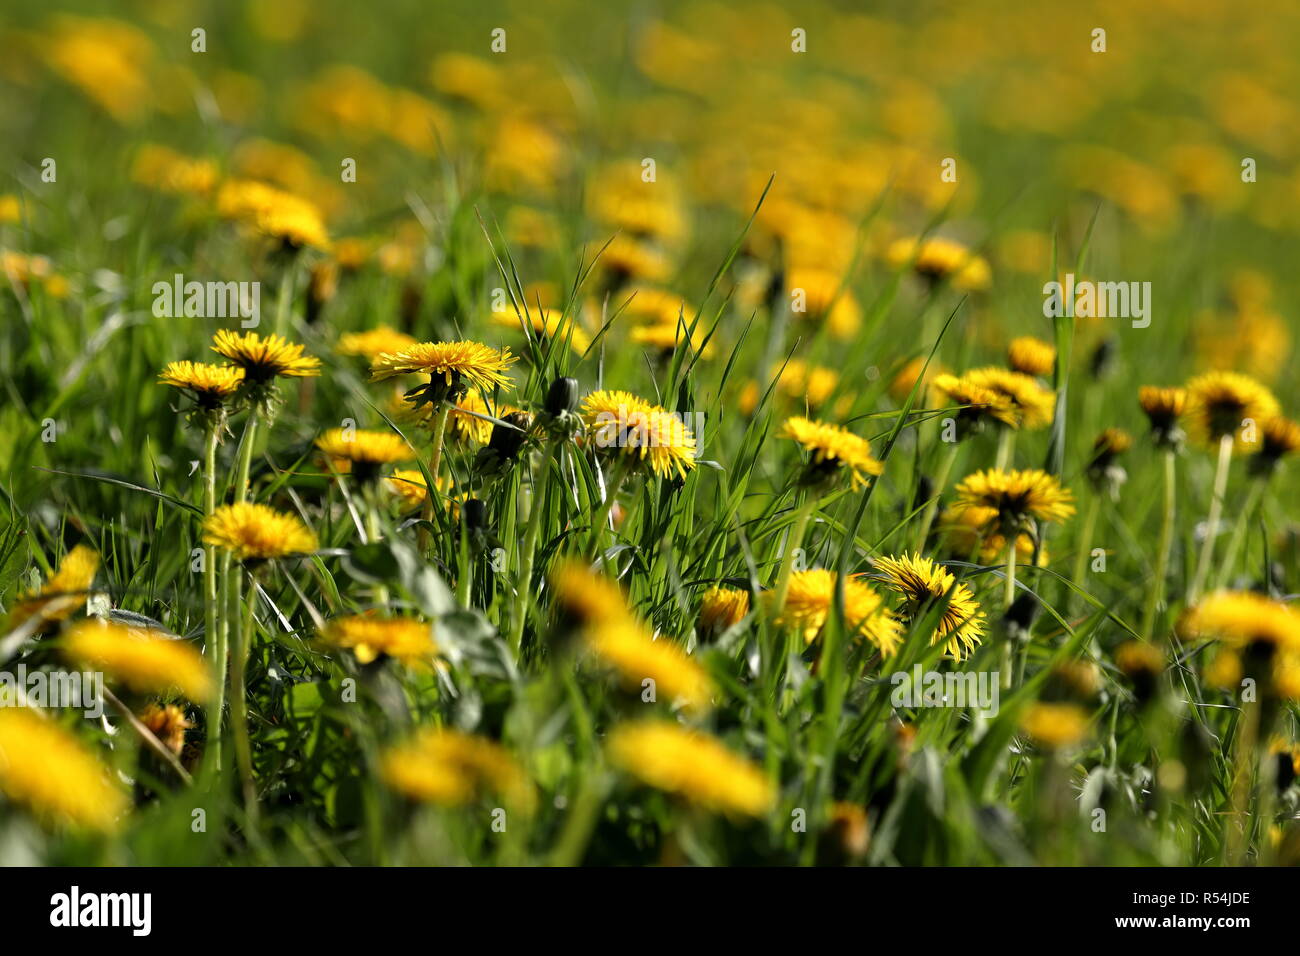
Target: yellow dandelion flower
<point>408,484</point>
<point>1281,438</point>
<point>168,723</point>
<point>696,767</point>
<point>586,599</point>
<point>1016,495</point>
<point>1221,404</point>
<point>667,337</point>
<point>63,593</point>
<point>938,258</point>
<point>144,660</point>
<point>451,768</point>
<point>848,835</point>
<point>1142,663</point>
<point>1111,442</point>
<point>1031,356</point>
<point>824,297</point>
<point>373,343</point>
<point>47,769</point>
<point>291,219</point>
<point>973,532</point>
<point>655,306</point>
<point>458,364</point>
<point>622,423</point>
<point>979,404</point>
<point>811,601</point>
<point>627,647</point>
<point>1163,406</point>
<point>833,447</point>
<point>627,258</point>
<point>1244,619</point>
<point>595,606</point>
<point>923,583</point>
<point>362,451</point>
<point>1055,725</point>
<point>721,608</point>
<point>369,637</point>
<point>254,532</point>
<point>1034,405</point>
<point>209,385</point>
<point>901,385</point>
<point>11,209</point>
<point>262,359</point>
<point>166,170</point>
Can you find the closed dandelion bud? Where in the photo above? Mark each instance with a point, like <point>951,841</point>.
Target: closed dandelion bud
<point>474,515</point>
<point>506,441</point>
<point>562,397</point>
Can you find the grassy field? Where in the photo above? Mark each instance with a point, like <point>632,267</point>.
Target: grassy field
<point>644,438</point>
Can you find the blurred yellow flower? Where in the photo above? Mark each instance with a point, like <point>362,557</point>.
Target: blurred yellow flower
<point>50,771</point>
<point>698,768</point>
<point>146,661</point>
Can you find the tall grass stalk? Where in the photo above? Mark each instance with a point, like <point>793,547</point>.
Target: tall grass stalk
<point>523,586</point>
<point>435,462</point>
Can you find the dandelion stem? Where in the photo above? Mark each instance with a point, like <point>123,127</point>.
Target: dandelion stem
<point>435,461</point>
<point>523,586</point>
<point>244,467</point>
<point>214,641</point>
<point>793,543</point>
<point>1006,447</point>
<point>1212,521</point>
<point>1248,511</point>
<point>1156,593</point>
<point>1008,598</point>
<point>239,694</point>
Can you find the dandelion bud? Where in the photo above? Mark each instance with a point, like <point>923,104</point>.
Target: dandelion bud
<point>562,397</point>
<point>506,441</point>
<point>474,515</point>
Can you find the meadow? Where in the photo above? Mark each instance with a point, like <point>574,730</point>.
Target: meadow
<point>656,434</point>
